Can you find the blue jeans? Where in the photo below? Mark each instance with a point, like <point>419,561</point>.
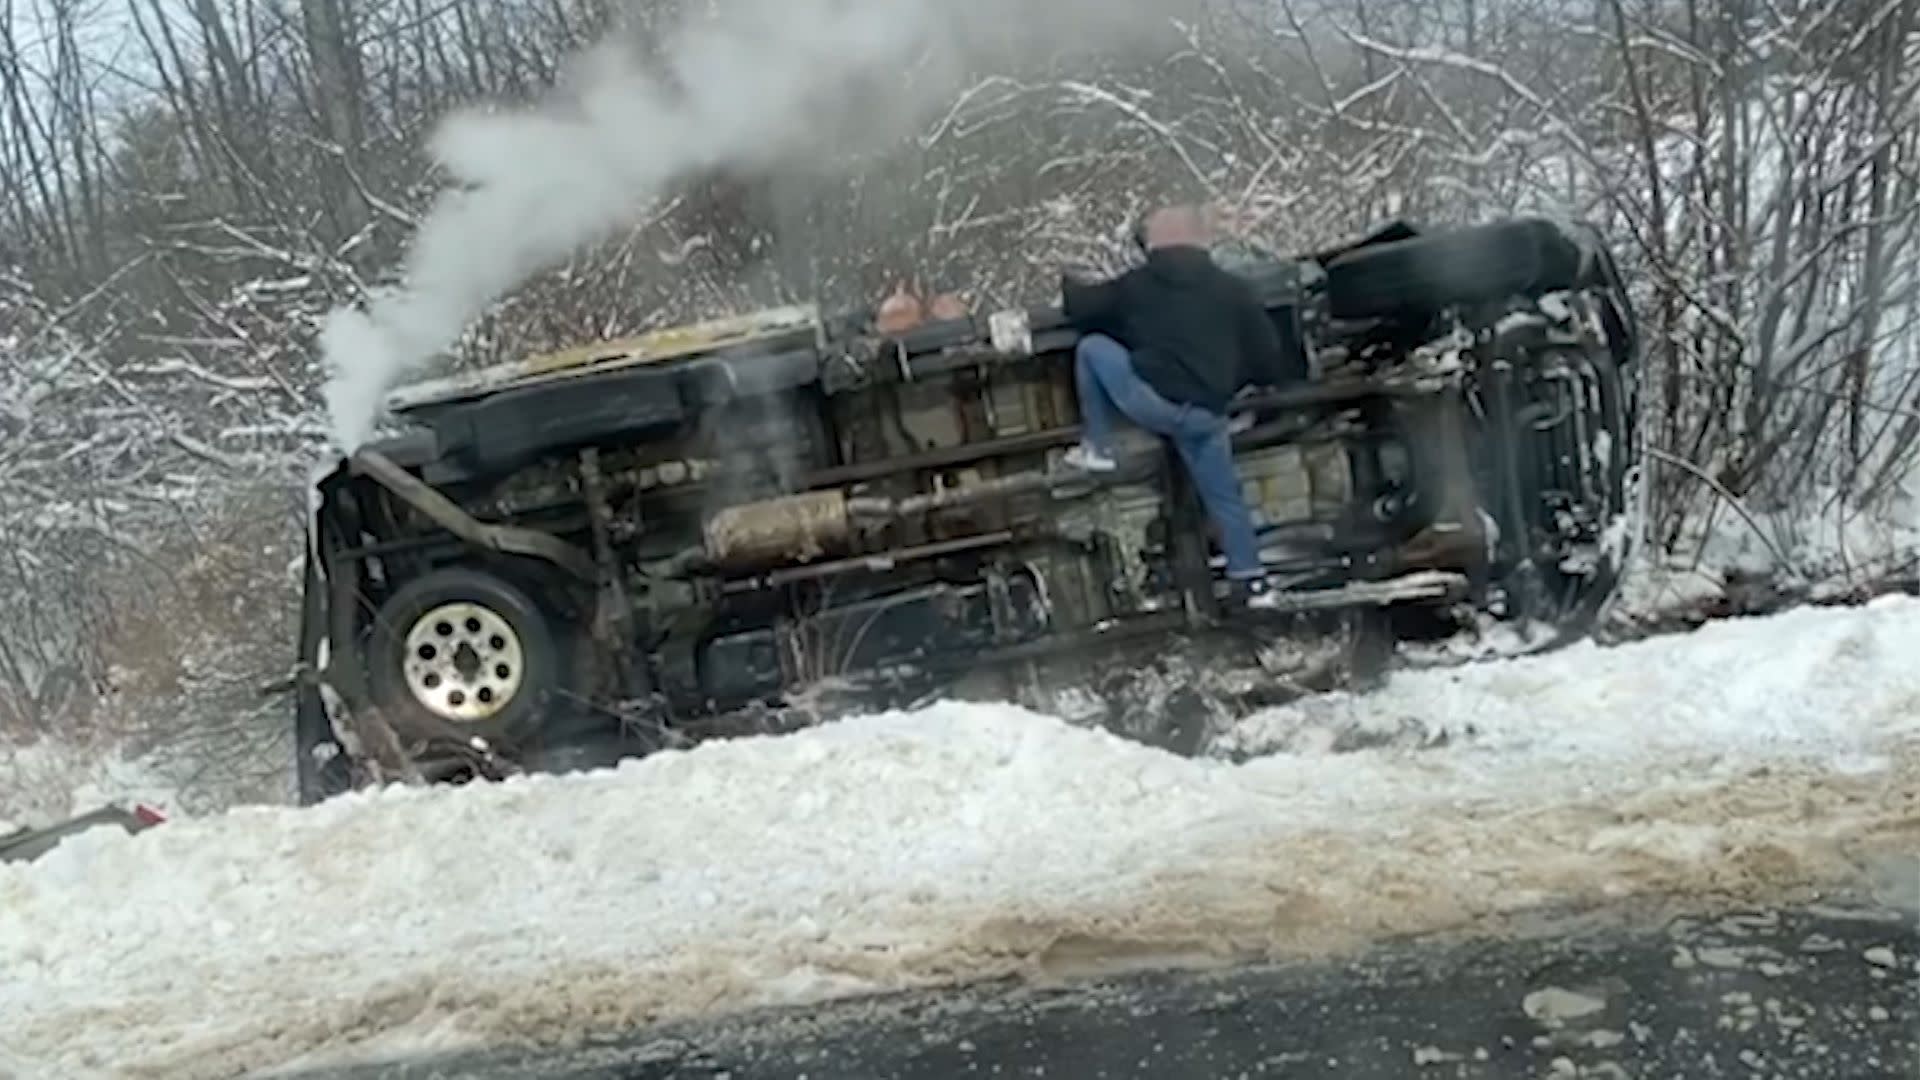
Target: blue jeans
<point>1108,384</point>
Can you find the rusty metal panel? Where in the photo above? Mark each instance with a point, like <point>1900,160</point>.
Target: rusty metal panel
<point>650,348</point>
<point>793,528</point>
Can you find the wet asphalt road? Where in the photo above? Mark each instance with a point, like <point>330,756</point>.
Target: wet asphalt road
<point>1821,991</point>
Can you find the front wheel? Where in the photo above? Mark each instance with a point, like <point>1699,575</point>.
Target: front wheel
<point>463,653</point>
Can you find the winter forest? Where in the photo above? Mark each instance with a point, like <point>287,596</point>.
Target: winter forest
<point>190,189</point>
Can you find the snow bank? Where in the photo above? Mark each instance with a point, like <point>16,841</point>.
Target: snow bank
<point>184,753</point>
<point>959,842</point>
<point>1743,687</point>
<point>50,780</point>
<point>1818,545</point>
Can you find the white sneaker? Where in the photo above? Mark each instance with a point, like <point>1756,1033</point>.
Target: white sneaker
<point>1257,594</point>
<point>1085,458</point>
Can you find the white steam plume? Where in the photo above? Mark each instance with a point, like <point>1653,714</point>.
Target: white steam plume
<point>749,85</point>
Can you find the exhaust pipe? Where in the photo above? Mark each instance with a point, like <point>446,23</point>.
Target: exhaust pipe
<point>819,524</point>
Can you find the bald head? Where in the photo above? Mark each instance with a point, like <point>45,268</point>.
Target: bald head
<point>1176,226</point>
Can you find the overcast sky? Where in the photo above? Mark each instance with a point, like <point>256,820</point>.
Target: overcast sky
<point>107,35</point>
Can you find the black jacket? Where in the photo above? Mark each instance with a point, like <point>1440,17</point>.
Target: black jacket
<point>1196,331</point>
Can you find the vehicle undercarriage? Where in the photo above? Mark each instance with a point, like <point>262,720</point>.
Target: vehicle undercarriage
<point>758,523</point>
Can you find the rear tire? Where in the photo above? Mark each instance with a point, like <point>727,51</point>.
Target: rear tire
<point>1424,274</point>
<point>461,652</point>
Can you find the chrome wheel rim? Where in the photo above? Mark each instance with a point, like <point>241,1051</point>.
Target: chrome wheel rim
<point>464,662</point>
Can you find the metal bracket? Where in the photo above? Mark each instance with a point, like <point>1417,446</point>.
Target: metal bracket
<point>844,372</point>
<point>505,539</point>
<point>1425,586</point>
<point>1011,332</point>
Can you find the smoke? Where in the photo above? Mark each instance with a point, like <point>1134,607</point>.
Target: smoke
<point>742,84</point>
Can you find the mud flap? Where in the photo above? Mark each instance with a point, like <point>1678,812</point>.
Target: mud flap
<point>1371,649</point>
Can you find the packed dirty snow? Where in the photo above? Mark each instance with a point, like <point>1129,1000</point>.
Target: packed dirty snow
<point>961,842</point>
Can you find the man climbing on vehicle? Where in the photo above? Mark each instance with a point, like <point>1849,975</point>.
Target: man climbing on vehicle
<point>1168,345</point>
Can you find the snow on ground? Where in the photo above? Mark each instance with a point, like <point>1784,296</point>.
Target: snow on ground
<point>50,780</point>
<point>1819,545</point>
<point>179,752</point>
<point>962,842</point>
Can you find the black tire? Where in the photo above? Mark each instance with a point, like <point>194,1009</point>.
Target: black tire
<point>542,665</point>
<point>1482,264</point>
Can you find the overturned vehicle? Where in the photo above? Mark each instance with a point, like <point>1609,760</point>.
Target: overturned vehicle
<point>750,524</point>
